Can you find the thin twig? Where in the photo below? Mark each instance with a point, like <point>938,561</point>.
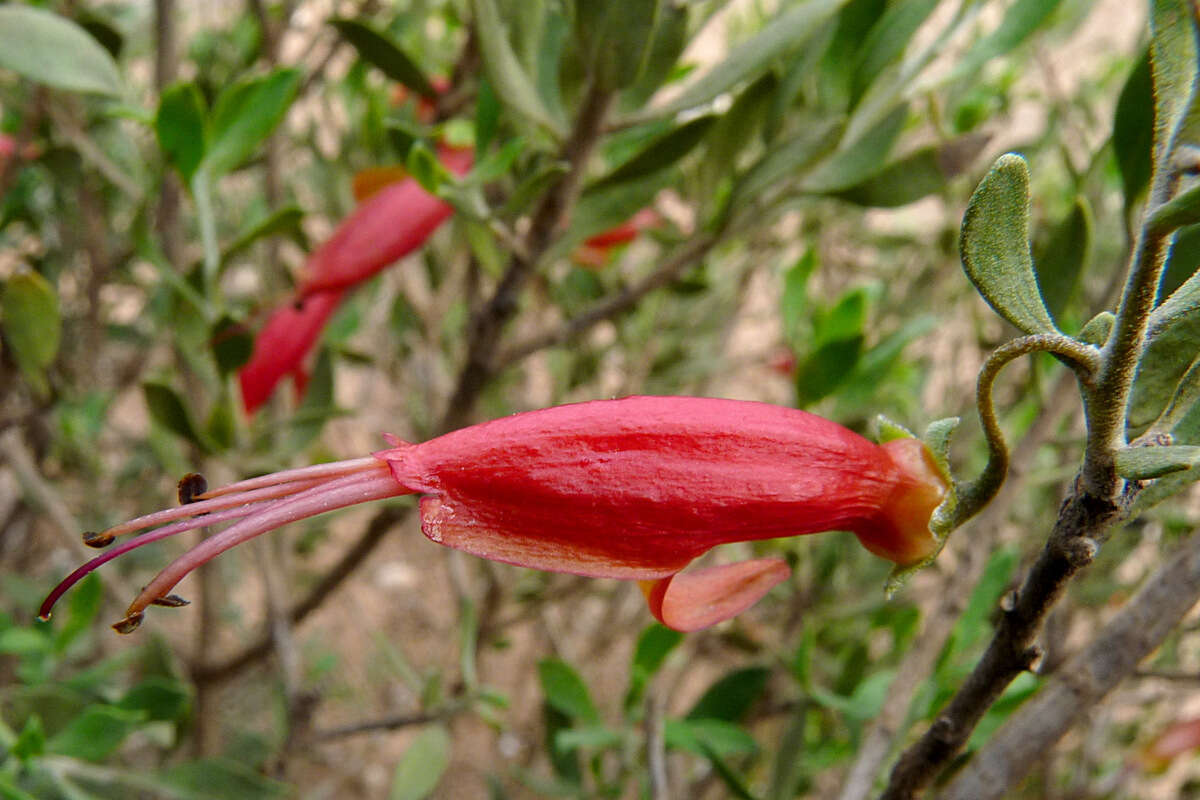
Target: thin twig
<point>687,256</point>
<point>553,209</point>
<point>166,221</point>
<point>387,723</point>
<point>982,533</point>
<point>1136,631</point>
<point>1168,675</point>
<point>656,751</point>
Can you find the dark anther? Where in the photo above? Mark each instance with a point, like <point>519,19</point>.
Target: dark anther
<point>129,624</point>
<point>171,601</point>
<point>190,486</point>
<point>97,540</point>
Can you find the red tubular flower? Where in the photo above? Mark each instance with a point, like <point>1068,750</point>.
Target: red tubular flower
<point>633,489</point>
<point>393,222</point>
<point>279,350</point>
<point>389,225</point>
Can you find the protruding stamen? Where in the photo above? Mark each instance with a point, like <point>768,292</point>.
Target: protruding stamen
<point>225,515</point>
<point>130,623</point>
<point>339,493</point>
<point>331,470</point>
<point>171,601</point>
<point>199,507</point>
<point>190,487</point>
<point>98,540</point>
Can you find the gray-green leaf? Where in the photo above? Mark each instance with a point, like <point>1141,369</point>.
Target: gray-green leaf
<point>513,86</point>
<point>244,115</point>
<point>422,765</point>
<point>1147,463</point>
<point>787,31</point>
<point>54,51</point>
<point>995,246</point>
<point>378,50</point>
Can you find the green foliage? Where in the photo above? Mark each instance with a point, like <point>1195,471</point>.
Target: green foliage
<point>53,50</point>
<point>1133,131</point>
<point>32,325</point>
<point>419,770</point>
<point>381,52</point>
<point>1063,256</point>
<point>995,246</point>
<point>788,262</point>
<point>244,116</point>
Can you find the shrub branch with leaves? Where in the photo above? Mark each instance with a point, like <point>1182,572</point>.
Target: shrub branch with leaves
<point>173,251</point>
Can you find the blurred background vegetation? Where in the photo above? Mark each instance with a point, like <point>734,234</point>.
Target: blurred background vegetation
<point>162,181</point>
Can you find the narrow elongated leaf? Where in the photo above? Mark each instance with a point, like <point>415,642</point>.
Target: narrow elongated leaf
<point>887,41</point>
<point>787,31</point>
<point>54,51</point>
<point>659,154</point>
<point>566,692</point>
<point>921,173</point>
<point>670,38</point>
<point>245,114</point>
<point>1173,67</point>
<point>377,49</point>
<point>901,182</point>
<point>513,86</point>
<point>179,124</point>
<point>788,159</point>
<point>1133,131</point>
<point>1063,256</point>
<point>1147,463</point>
<point>854,162</point>
<point>421,767</point>
<point>1020,21</point>
<point>843,50</point>
<point>995,246</point>
<point>616,38</point>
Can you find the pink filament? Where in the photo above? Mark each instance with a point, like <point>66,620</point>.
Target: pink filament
<point>201,507</point>
<point>338,493</point>
<point>139,541</point>
<point>329,470</point>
